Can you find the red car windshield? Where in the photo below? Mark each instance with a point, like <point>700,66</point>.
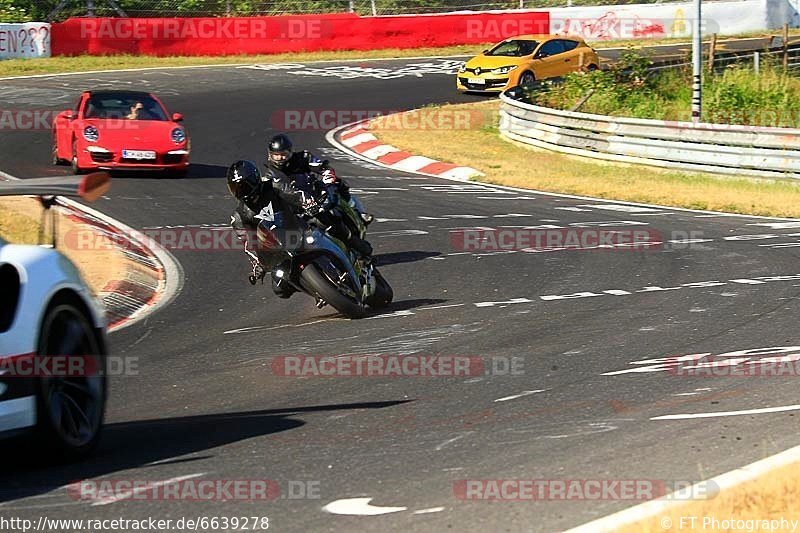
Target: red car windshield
<point>124,106</point>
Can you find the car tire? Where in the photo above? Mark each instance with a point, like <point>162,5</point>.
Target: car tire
<point>592,67</point>
<point>70,409</point>
<point>76,169</point>
<point>55,159</point>
<point>526,79</point>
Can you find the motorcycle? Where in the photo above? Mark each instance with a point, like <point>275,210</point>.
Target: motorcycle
<point>310,260</point>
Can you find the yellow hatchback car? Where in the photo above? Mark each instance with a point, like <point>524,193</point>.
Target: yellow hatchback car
<point>524,59</point>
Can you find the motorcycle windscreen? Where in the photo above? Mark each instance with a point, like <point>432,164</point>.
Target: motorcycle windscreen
<point>275,241</point>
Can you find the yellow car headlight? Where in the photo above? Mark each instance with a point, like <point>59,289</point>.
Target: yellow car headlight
<point>504,70</point>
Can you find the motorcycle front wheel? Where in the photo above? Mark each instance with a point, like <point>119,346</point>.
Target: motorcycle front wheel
<point>320,285</point>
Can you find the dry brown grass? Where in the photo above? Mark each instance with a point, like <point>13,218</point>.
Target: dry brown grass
<point>19,224</point>
<point>505,163</point>
<point>770,497</point>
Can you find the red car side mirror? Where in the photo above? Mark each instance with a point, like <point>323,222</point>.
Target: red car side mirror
<point>177,117</point>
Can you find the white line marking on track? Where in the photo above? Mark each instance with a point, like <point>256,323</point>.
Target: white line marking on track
<point>523,393</point>
<point>448,441</point>
<point>399,232</point>
<point>124,495</point>
<point>268,328</point>
<point>431,510</point>
<point>620,207</point>
<point>728,413</point>
<point>359,507</point>
<point>511,301</point>
<point>441,307</point>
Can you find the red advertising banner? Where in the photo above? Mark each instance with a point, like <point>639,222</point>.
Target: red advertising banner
<point>288,33</point>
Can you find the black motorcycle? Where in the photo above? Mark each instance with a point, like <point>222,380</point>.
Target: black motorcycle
<point>304,256</point>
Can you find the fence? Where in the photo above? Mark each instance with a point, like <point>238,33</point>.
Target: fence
<point>57,10</point>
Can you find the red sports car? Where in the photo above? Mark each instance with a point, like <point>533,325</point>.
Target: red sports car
<point>125,130</point>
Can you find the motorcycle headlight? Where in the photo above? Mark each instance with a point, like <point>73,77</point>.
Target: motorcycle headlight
<point>504,70</point>
<point>178,135</point>
<point>91,134</point>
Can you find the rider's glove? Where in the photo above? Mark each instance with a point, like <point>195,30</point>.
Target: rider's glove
<point>329,176</point>
<point>313,209</point>
<point>258,274</point>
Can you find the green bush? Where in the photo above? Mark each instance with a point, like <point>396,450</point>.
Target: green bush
<point>736,96</point>
<point>12,12</point>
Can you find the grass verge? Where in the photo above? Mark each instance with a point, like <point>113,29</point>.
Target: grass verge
<point>479,146</point>
<point>20,223</point>
<point>770,497</point>
<point>55,65</point>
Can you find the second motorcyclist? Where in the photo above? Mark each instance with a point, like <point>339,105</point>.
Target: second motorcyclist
<point>298,171</point>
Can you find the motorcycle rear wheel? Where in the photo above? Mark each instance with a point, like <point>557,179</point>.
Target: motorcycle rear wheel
<point>383,293</point>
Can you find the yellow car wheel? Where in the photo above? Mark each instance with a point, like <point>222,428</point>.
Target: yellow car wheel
<point>526,79</point>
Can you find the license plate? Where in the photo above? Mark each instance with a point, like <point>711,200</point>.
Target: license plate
<point>476,81</point>
<point>138,154</point>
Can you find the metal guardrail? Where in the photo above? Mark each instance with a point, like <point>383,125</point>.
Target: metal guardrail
<point>707,147</point>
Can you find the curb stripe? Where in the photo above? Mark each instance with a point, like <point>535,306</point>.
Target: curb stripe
<point>378,151</point>
<point>124,298</point>
<point>393,157</point>
<point>437,167</point>
<point>353,132</point>
<point>363,147</point>
<point>355,140</point>
<point>357,137</point>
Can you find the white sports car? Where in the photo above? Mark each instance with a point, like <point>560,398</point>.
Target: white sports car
<point>52,336</point>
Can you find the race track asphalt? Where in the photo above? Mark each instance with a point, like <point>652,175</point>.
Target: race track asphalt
<point>206,404</point>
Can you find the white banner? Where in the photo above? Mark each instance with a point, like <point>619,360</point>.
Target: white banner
<point>642,21</point>
<point>27,40</point>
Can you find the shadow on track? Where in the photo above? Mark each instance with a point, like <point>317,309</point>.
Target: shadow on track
<point>396,258</point>
<point>196,171</point>
<point>136,444</point>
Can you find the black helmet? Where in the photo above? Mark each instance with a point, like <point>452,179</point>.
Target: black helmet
<point>279,150</point>
<point>244,180</point>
